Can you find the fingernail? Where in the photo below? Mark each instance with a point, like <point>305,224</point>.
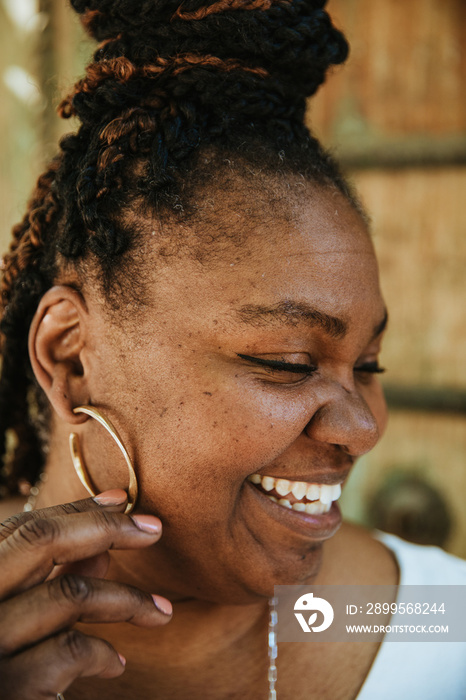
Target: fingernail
<point>122,659</point>
<point>147,523</point>
<point>162,604</point>
<point>114,497</point>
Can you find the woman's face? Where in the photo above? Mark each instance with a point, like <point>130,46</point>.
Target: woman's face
<point>201,420</point>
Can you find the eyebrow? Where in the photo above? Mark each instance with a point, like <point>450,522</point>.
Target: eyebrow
<point>292,313</point>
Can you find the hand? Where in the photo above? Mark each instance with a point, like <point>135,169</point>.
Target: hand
<point>47,558</point>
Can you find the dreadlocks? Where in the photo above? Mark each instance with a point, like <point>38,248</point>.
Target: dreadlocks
<point>166,83</point>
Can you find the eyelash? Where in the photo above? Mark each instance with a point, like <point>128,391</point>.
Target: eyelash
<point>368,367</point>
<point>280,365</point>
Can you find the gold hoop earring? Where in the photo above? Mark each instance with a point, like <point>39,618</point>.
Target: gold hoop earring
<point>78,462</point>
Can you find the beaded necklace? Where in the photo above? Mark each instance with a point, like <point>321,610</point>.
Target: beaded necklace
<point>273,648</point>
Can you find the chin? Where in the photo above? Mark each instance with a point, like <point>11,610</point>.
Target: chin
<point>294,569</point>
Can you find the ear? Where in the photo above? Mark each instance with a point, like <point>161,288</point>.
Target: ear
<point>57,348</point>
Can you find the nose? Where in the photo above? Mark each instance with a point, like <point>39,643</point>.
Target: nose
<point>343,418</point>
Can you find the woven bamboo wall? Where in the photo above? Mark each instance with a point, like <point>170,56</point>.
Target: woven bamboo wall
<point>396,116</point>
<point>41,53</point>
<point>20,108</point>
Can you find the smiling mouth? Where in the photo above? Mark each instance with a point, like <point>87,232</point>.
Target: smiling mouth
<point>301,496</point>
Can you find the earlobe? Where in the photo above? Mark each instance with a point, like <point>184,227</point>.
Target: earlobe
<point>57,340</point>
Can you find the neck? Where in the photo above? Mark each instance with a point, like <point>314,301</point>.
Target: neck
<point>206,648</point>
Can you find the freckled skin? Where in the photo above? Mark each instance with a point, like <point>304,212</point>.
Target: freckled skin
<point>206,419</point>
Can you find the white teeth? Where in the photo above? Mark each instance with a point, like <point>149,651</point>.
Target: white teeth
<point>317,508</point>
<point>301,507</point>
<point>282,487</point>
<point>320,496</point>
<point>329,493</point>
<point>314,508</point>
<point>326,493</point>
<point>299,490</point>
<point>268,483</point>
<point>313,492</point>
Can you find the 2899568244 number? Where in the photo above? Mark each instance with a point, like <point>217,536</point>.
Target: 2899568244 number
<point>405,608</point>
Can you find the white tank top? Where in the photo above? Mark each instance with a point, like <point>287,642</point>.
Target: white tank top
<point>425,670</point>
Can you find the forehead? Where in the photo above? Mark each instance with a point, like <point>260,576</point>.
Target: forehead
<point>312,249</point>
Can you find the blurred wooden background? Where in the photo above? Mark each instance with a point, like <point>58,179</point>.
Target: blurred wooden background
<point>42,52</point>
<point>396,117</point>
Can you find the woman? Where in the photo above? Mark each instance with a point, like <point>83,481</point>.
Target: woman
<point>194,268</point>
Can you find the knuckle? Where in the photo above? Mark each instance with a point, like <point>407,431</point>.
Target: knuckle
<point>105,519</point>
<point>72,588</point>
<point>38,532</point>
<point>107,522</point>
<point>76,645</point>
<point>140,598</point>
<point>12,523</point>
<point>69,508</point>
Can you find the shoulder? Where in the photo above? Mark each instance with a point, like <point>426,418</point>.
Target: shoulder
<point>358,557</point>
<point>410,669</point>
<point>420,564</point>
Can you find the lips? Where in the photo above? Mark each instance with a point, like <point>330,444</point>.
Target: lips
<point>315,515</point>
<point>301,496</point>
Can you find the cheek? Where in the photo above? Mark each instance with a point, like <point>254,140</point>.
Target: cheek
<point>223,433</point>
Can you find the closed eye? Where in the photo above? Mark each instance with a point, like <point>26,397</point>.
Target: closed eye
<point>280,365</point>
<point>370,368</point>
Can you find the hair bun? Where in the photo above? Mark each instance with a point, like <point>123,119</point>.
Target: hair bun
<point>292,41</point>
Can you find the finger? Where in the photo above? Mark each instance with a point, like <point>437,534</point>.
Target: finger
<point>30,554</point>
<point>57,605</point>
<point>113,501</point>
<point>51,667</point>
<point>94,567</point>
